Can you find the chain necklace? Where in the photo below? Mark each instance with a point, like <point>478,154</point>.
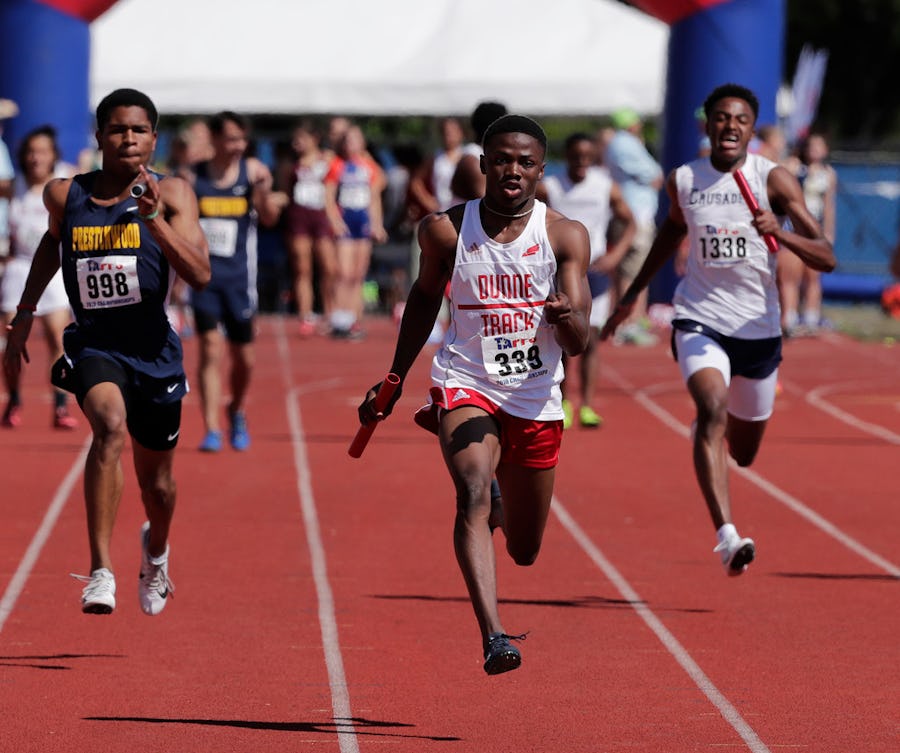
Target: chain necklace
<point>508,216</point>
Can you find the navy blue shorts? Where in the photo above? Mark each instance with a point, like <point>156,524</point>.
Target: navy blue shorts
<point>152,416</point>
<point>357,222</point>
<point>597,282</point>
<point>228,305</point>
<point>753,359</point>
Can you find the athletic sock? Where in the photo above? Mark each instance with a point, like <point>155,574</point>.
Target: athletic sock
<point>726,533</point>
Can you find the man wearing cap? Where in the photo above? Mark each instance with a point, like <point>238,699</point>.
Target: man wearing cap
<point>640,177</point>
<point>8,109</point>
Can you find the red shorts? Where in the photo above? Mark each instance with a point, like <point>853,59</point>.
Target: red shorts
<point>523,441</point>
<point>313,223</point>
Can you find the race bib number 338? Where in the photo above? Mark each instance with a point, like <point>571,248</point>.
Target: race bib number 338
<point>108,281</point>
<point>513,358</point>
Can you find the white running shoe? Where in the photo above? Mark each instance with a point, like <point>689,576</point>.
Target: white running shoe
<point>736,554</point>
<point>99,595</point>
<point>154,586</point>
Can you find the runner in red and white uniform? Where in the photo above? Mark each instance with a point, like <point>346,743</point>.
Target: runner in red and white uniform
<point>519,299</point>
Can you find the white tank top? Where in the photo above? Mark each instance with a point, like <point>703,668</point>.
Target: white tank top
<point>730,282</point>
<point>441,177</point>
<point>498,343</point>
<point>28,221</point>
<point>469,149</point>
<point>587,202</point>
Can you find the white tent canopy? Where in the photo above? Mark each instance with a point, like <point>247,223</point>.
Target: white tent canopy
<point>393,57</point>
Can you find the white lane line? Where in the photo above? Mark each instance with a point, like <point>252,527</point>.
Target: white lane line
<point>340,693</point>
<point>769,488</point>
<point>678,652</point>
<point>23,571</point>
<point>816,398</point>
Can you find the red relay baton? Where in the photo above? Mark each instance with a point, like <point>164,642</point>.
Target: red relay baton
<point>753,205</point>
<point>382,398</point>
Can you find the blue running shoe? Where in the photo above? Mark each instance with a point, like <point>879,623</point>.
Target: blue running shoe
<point>240,437</point>
<point>212,442</point>
<point>500,655</point>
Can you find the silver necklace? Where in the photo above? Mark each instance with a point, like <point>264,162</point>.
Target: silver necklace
<point>508,216</point>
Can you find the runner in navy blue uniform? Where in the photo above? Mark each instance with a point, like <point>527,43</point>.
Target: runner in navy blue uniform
<point>119,258</point>
<point>233,192</point>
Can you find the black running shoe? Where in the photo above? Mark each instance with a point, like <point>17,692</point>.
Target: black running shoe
<point>500,655</point>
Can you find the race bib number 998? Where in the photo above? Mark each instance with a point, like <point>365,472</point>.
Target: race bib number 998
<point>108,281</point>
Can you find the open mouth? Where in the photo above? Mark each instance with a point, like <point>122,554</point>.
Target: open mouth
<point>511,189</point>
<point>729,141</point>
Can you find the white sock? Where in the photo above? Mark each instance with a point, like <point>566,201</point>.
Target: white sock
<point>811,317</point>
<point>726,533</point>
<point>342,319</point>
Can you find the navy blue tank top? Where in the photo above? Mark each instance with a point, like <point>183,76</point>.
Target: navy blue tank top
<point>118,281</point>
<point>229,223</point>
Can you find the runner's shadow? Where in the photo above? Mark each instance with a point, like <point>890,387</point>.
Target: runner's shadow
<point>37,662</point>
<point>581,602</point>
<point>887,577</point>
<point>321,438</point>
<point>354,725</point>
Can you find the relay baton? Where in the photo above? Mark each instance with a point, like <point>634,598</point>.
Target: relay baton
<point>750,199</point>
<point>382,398</point>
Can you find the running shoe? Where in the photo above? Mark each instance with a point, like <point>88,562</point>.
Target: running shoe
<point>307,328</point>
<point>154,586</point>
<point>99,595</point>
<point>635,334</point>
<point>500,655</point>
<point>212,442</point>
<point>588,417</point>
<point>240,437</point>
<point>12,416</point>
<point>63,420</point>
<point>736,554</point>
<point>568,416</point>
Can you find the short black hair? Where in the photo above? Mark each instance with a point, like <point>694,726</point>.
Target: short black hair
<point>217,122</point>
<point>483,115</point>
<point>574,138</point>
<point>516,124</point>
<point>45,130</point>
<point>735,91</point>
<point>125,98</point>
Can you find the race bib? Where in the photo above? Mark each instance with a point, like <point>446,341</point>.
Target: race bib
<point>355,197</point>
<point>221,235</point>
<point>108,281</point>
<point>311,195</point>
<point>724,246</point>
<point>511,359</point>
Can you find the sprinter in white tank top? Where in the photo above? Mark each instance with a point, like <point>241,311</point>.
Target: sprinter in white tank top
<point>727,334</point>
<point>587,193</point>
<point>519,299</point>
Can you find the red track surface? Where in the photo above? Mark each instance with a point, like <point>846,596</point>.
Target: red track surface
<point>319,606</point>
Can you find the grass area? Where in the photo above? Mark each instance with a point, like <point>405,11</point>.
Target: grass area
<point>864,321</point>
